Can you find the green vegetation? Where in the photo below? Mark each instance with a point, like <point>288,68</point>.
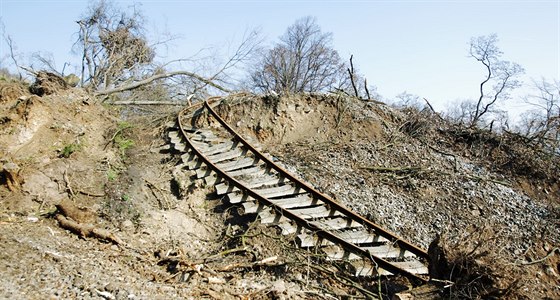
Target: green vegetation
<point>112,174</point>
<point>69,149</point>
<point>120,138</point>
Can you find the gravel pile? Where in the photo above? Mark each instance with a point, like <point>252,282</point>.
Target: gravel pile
<point>414,190</point>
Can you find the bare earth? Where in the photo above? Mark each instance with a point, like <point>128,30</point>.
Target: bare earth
<point>177,240</point>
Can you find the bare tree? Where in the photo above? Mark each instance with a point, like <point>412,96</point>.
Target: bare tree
<point>182,84</point>
<point>118,58</point>
<point>113,45</point>
<point>45,61</point>
<point>408,100</point>
<point>500,74</point>
<point>542,124</point>
<point>303,61</point>
<point>14,56</point>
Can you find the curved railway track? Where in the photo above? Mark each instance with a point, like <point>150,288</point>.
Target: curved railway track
<point>247,177</point>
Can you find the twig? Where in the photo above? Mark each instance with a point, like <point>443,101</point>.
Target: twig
<point>119,130</point>
<point>527,263</point>
<point>148,80</point>
<point>400,170</point>
<point>351,73</point>
<point>366,88</point>
<point>447,283</point>
<point>29,70</point>
<point>267,262</point>
<point>90,194</point>
<point>68,186</point>
<point>478,178</point>
<point>432,109</point>
<point>138,102</point>
<point>165,202</point>
<point>444,153</point>
<point>346,281</point>
<point>224,253</point>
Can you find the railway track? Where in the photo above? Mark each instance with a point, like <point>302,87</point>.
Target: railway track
<point>247,177</point>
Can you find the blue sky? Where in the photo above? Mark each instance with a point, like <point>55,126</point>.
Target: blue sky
<point>416,46</point>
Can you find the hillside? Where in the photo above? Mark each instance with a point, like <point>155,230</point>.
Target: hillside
<point>494,206</point>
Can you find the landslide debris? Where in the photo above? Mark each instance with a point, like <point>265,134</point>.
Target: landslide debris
<point>66,155</point>
<point>422,177</point>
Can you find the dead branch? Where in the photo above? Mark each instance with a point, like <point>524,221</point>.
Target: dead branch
<point>351,73</point>
<point>91,194</point>
<point>542,259</point>
<point>344,280</point>
<point>70,210</point>
<point>11,46</point>
<point>68,186</point>
<point>133,102</point>
<point>432,109</point>
<point>29,70</point>
<point>117,132</point>
<point>366,88</point>
<point>267,262</point>
<point>249,44</point>
<point>87,230</point>
<point>164,203</point>
<point>400,170</point>
<point>153,78</point>
<point>478,179</point>
<point>224,253</point>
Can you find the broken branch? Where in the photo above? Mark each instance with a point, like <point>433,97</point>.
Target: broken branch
<point>400,170</point>
<point>542,259</point>
<point>351,74</point>
<point>148,80</point>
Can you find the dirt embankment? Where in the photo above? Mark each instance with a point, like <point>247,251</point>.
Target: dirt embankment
<point>403,170</point>
<point>64,155</point>
<point>97,209</point>
<point>422,177</point>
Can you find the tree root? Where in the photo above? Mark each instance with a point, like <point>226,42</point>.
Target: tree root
<point>87,230</point>
<point>77,221</point>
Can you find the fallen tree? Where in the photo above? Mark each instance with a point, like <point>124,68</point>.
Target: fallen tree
<point>153,78</point>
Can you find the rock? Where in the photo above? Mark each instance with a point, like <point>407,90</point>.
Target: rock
<point>32,219</point>
<point>105,295</point>
<point>403,296</point>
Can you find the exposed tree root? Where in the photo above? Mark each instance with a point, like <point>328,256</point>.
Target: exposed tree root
<point>76,220</point>
<point>87,230</point>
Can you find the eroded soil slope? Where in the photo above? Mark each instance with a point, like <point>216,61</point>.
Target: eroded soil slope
<point>173,238</point>
<point>418,176</point>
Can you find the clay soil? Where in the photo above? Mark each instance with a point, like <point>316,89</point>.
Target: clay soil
<point>175,239</point>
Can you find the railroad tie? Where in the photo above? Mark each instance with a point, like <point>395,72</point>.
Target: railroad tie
<point>255,181</point>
